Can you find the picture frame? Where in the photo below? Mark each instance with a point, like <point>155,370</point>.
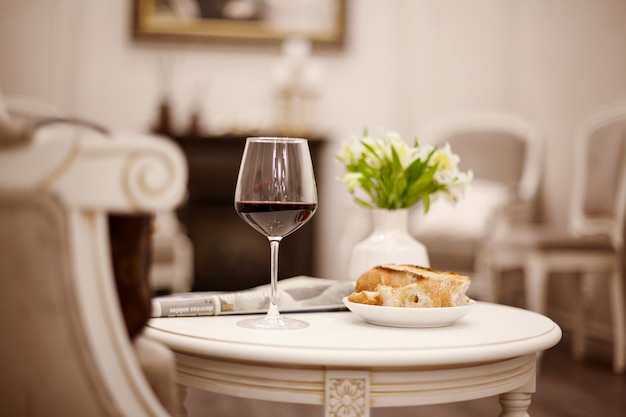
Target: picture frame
<point>240,22</point>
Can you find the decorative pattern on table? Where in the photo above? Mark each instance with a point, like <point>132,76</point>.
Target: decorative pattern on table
<point>347,394</point>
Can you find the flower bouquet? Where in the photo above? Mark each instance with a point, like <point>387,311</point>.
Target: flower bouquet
<point>385,172</point>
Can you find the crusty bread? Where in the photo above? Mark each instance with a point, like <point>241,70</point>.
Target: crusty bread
<point>410,286</point>
<point>366,297</point>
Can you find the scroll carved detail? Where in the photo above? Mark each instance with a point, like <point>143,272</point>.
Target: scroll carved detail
<point>148,177</point>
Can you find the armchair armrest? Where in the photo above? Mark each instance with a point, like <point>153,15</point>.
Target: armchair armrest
<point>118,172</point>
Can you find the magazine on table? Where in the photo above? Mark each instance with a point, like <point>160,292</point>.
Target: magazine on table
<point>297,294</point>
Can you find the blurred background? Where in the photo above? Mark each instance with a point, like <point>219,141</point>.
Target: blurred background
<point>394,65</point>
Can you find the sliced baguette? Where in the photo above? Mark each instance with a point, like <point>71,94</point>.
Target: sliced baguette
<point>411,286</point>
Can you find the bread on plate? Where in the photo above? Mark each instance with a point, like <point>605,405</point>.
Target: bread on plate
<point>410,286</point>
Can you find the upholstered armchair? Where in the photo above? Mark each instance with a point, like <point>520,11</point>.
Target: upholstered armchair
<point>503,150</point>
<point>67,348</point>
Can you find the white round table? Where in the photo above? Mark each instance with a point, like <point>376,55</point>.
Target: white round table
<point>348,365</point>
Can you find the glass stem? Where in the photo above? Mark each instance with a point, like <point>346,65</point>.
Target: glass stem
<point>273,308</point>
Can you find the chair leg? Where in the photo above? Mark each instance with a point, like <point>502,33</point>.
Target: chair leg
<point>579,347</point>
<point>535,282</point>
<point>618,311</point>
<point>488,274</point>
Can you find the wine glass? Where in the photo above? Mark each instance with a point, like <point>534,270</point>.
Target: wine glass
<point>276,195</point>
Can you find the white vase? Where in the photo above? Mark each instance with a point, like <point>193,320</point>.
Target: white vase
<point>389,242</point>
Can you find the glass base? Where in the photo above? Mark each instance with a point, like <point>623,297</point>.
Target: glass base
<point>272,322</point>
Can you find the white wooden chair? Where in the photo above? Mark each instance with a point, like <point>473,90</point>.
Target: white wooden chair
<point>593,244</point>
<point>503,150</point>
<point>65,348</point>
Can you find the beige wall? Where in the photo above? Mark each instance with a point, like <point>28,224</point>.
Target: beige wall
<point>405,62</point>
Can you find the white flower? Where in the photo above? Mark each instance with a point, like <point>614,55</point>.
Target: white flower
<point>446,159</point>
<point>351,179</point>
<point>458,185</point>
<point>348,153</point>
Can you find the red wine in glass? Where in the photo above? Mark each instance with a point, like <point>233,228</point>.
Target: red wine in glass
<point>275,218</point>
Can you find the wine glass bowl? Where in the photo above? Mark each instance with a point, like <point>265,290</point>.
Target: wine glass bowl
<point>275,194</point>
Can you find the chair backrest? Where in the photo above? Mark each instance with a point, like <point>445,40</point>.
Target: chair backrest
<point>496,145</point>
<point>65,348</point>
<point>598,199</point>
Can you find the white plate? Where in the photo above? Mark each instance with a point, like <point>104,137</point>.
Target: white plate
<point>409,317</point>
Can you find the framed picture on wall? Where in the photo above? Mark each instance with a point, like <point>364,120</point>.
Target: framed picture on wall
<point>245,22</point>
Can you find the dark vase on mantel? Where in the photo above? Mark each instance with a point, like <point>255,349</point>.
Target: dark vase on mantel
<point>195,128</point>
<point>163,124</point>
